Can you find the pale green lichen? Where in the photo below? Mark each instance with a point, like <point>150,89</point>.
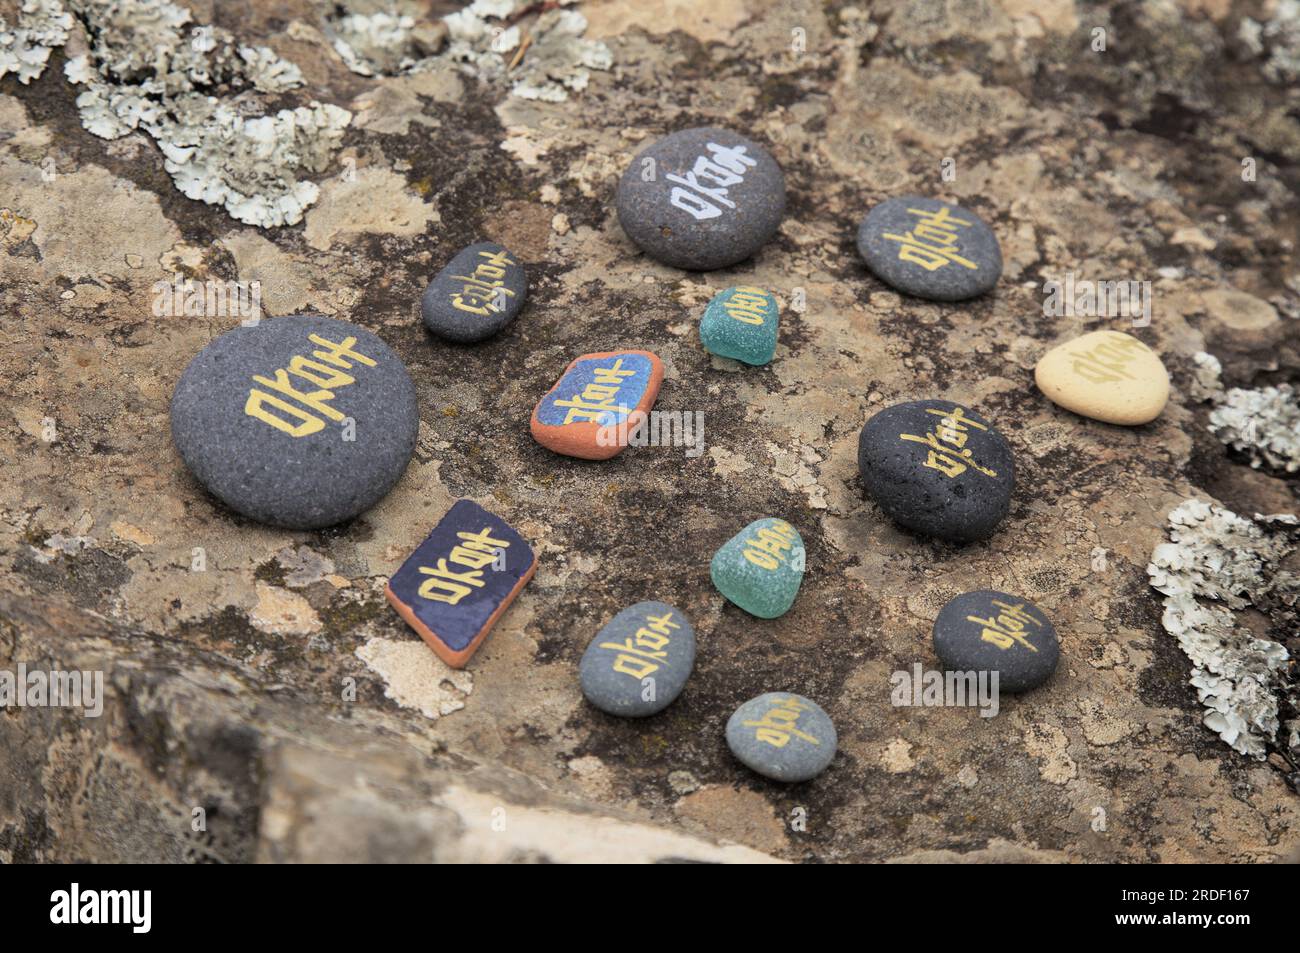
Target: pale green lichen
<point>1215,565</point>
<point>485,37</point>
<point>1276,40</point>
<point>196,91</point>
<point>25,45</point>
<point>151,68</point>
<point>1264,423</point>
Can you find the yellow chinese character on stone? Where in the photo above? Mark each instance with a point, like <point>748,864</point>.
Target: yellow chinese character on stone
<point>640,654</point>
<point>1007,628</point>
<point>932,243</point>
<point>948,451</point>
<point>768,546</point>
<point>324,373</point>
<point>596,402</point>
<point>778,725</point>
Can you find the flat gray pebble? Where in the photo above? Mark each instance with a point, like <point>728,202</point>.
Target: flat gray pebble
<point>478,294</point>
<point>301,421</point>
<point>782,736</point>
<point>639,662</point>
<point>701,199</point>
<point>930,249</point>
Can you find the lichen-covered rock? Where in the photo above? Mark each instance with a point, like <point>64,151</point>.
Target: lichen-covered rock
<point>236,636</point>
<point>1215,565</point>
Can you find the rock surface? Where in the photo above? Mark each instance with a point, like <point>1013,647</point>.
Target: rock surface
<point>228,647</point>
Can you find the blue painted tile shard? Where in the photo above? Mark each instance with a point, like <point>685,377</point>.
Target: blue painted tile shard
<point>602,389</point>
<point>460,580</point>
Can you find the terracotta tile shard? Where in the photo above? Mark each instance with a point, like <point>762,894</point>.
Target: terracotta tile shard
<point>460,580</point>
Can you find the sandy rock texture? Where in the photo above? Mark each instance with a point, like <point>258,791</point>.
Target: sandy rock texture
<point>258,677</point>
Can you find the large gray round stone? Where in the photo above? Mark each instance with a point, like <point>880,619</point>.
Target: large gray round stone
<point>301,421</point>
<point>991,631</point>
<point>930,249</point>
<point>639,662</point>
<point>782,736</point>
<point>701,199</point>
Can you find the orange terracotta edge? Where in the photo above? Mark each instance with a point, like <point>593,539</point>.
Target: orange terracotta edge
<point>458,659</point>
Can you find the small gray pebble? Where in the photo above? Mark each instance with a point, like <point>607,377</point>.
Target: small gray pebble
<point>930,249</point>
<point>639,662</point>
<point>292,431</point>
<point>701,199</point>
<point>937,468</point>
<point>782,736</point>
<point>990,631</point>
<point>480,291</point>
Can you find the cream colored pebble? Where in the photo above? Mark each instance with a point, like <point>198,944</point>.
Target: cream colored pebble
<point>1106,375</point>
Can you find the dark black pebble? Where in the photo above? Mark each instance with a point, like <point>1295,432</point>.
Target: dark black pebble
<point>480,291</point>
<point>990,631</point>
<point>937,468</point>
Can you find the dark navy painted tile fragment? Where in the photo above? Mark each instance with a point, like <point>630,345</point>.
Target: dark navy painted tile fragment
<point>457,583</point>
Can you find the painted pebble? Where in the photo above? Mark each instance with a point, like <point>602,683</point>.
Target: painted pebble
<point>741,323</point>
<point>782,736</point>
<point>989,631</point>
<point>1106,375</point>
<point>460,580</point>
<point>301,421</point>
<point>930,249</point>
<point>701,199</point>
<point>937,468</point>
<point>639,662</point>
<point>597,400</point>
<point>761,567</point>
<point>480,292</point>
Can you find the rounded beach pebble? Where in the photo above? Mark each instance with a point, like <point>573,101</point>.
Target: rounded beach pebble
<point>930,249</point>
<point>782,736</point>
<point>701,199</point>
<point>1106,375</point>
<point>937,468</point>
<point>479,292</point>
<point>301,421</point>
<point>990,631</point>
<point>638,663</point>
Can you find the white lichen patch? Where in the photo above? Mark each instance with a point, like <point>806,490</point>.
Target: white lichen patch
<point>25,45</point>
<point>1216,565</point>
<point>198,93</point>
<point>546,58</point>
<point>1276,40</point>
<point>416,678</point>
<point>383,42</point>
<point>1264,423</point>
